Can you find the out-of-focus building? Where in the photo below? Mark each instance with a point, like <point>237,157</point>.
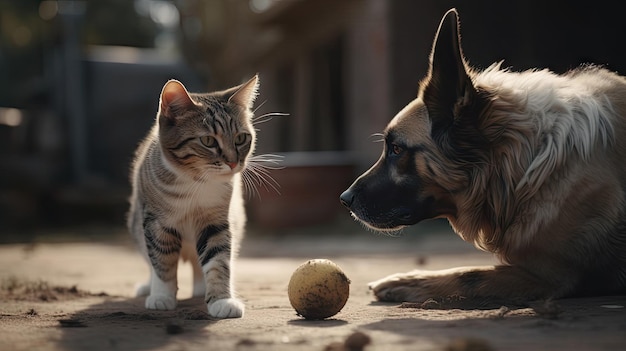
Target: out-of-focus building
<point>81,81</point>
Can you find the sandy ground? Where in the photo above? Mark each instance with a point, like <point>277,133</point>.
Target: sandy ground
<point>77,295</point>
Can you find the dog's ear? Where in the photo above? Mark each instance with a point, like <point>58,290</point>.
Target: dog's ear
<point>447,87</point>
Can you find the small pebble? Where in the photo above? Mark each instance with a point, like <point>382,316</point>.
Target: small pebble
<point>357,341</point>
<point>173,327</point>
<point>469,344</point>
<point>71,323</point>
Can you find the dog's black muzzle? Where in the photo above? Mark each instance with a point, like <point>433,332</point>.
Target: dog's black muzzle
<point>346,198</point>
<point>383,203</point>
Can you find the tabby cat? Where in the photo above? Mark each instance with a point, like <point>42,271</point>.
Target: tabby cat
<point>187,199</point>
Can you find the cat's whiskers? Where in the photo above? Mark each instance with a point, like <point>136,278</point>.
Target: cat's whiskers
<point>269,158</point>
<point>249,187</point>
<point>261,177</point>
<point>266,117</point>
<point>258,107</point>
<point>249,183</point>
<point>257,174</point>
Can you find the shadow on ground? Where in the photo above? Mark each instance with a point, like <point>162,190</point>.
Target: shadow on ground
<point>130,326</point>
<point>551,325</point>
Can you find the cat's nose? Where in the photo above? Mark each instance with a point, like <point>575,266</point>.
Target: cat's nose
<point>232,165</point>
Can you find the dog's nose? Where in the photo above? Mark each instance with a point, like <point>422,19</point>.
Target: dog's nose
<point>346,198</point>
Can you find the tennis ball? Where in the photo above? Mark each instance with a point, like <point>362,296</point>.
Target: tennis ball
<point>318,289</point>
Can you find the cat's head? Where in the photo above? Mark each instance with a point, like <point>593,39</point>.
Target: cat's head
<point>211,133</point>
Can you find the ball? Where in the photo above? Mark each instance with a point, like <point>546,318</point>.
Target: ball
<point>318,289</point>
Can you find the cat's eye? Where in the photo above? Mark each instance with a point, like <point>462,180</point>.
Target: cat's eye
<point>241,138</point>
<point>208,141</point>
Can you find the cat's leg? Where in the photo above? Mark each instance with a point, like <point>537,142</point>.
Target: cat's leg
<point>163,246</point>
<point>143,289</point>
<point>214,253</point>
<point>135,226</point>
<point>199,286</point>
<point>162,293</point>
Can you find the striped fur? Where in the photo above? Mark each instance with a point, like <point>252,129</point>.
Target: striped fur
<point>187,197</point>
<point>527,165</point>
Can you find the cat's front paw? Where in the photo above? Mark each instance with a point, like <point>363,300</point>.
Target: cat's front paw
<point>226,308</point>
<point>161,302</point>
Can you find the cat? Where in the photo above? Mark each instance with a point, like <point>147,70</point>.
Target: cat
<point>187,193</point>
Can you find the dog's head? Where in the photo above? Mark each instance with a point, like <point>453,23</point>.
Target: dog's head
<point>428,145</point>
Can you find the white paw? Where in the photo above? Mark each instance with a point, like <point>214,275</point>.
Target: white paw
<point>142,290</point>
<point>226,308</point>
<point>160,302</point>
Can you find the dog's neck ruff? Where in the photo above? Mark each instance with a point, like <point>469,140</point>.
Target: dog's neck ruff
<point>548,121</point>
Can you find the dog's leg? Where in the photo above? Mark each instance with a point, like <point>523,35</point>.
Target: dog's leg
<point>475,285</point>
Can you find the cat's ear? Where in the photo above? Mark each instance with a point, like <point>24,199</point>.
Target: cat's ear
<point>244,94</point>
<point>175,98</point>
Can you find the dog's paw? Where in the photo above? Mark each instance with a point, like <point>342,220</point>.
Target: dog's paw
<point>226,308</point>
<point>402,287</point>
<point>161,302</point>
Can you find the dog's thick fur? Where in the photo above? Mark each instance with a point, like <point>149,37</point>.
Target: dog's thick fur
<point>530,166</point>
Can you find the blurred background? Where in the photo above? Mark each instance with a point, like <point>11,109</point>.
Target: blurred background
<point>80,82</point>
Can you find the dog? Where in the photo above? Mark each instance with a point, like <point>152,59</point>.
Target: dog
<point>530,166</point>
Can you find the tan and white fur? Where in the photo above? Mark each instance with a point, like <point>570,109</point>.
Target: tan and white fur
<point>530,166</point>
<point>187,197</point>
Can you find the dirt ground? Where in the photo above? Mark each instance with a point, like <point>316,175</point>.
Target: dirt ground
<point>75,293</point>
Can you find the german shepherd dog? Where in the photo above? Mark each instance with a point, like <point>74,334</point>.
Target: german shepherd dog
<point>530,166</point>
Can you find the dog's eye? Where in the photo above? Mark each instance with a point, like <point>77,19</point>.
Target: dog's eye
<point>397,150</point>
